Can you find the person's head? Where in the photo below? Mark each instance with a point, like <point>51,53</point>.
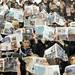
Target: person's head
<point>52,6</point>
<point>26,42</point>
<point>44,1</point>
<point>72,59</point>
<point>16,5</point>
<point>15,24</point>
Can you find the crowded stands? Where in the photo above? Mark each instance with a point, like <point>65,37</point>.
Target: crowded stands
<point>37,37</point>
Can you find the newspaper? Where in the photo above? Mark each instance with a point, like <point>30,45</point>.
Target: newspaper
<point>35,59</point>
<point>31,61</point>
<point>26,22</point>
<point>0,9</point>
<point>46,70</point>
<point>61,21</point>
<point>8,28</point>
<point>62,33</point>
<point>58,19</point>
<point>41,18</point>
<point>39,29</point>
<point>10,42</point>
<point>3,10</point>
<point>1,21</point>
<point>55,18</point>
<point>7,65</point>
<point>56,52</point>
<point>18,14</point>
<point>71,33</point>
<point>6,39</point>
<point>71,30</point>
<point>23,32</point>
<point>35,10</point>
<point>5,46</point>
<point>19,34</point>
<point>12,38</point>
<point>9,18</point>
<point>27,10</point>
<point>48,33</point>
<point>50,18</point>
<point>11,12</point>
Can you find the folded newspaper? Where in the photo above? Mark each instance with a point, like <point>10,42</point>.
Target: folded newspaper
<point>56,51</point>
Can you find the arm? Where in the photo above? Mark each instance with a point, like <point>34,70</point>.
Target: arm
<point>30,53</point>
<point>64,73</point>
<point>18,67</point>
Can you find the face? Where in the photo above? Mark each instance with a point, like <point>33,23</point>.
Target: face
<point>72,60</point>
<point>13,44</point>
<point>26,43</point>
<point>15,24</point>
<point>52,6</point>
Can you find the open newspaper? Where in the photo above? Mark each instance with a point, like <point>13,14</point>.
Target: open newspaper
<point>39,66</point>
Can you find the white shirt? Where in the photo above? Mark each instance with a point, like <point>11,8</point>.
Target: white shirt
<point>70,70</point>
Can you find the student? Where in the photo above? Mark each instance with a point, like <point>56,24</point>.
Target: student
<point>25,48</point>
<point>24,51</point>
<point>70,70</point>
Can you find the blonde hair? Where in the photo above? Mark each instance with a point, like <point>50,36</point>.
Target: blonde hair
<point>15,24</point>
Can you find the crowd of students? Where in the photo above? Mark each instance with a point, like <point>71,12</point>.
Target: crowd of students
<point>32,44</point>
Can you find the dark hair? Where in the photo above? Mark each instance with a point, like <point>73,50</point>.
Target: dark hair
<point>25,38</point>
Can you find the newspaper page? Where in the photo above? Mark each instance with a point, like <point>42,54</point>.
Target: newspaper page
<point>62,32</point>
<point>46,70</point>
<point>71,33</point>
<point>48,33</point>
<point>39,29</point>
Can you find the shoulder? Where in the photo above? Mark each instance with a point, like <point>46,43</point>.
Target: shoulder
<point>70,68</point>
